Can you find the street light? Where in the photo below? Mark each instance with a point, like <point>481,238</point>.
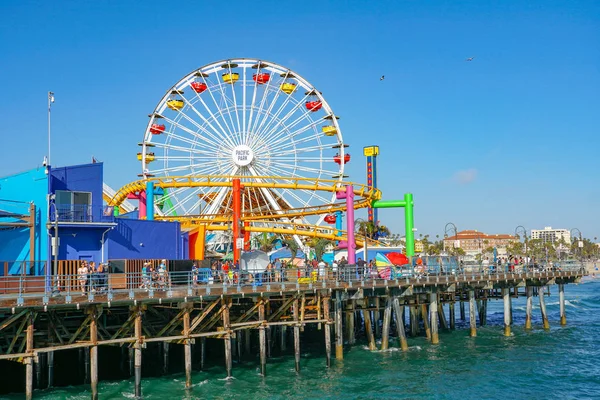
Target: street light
<point>524,231</point>
<point>50,101</point>
<point>579,244</point>
<point>449,226</point>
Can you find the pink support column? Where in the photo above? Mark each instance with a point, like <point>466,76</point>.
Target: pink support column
<point>350,224</point>
<point>142,205</point>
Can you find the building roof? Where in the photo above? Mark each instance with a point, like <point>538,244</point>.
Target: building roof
<point>473,234</point>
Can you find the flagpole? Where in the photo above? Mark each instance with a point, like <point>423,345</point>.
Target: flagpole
<point>50,101</point>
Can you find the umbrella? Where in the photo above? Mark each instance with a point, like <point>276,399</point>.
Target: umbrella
<point>254,261</point>
<point>385,273</point>
<point>398,258</point>
<point>382,261</point>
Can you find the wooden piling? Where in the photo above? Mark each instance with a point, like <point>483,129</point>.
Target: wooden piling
<point>350,305</point>
<point>165,351</point>
<point>425,321</point>
<point>327,330</point>
<point>202,353</point>
<point>561,301</point>
<point>297,336</point>
<point>226,304</point>
<point>283,338</point>
<point>529,307</point>
<point>339,336</point>
<point>138,354</point>
<point>368,326</point>
<point>399,314</point>
<point>262,338</point>
<point>387,316</point>
<point>541,295</point>
<point>472,320</point>
<point>94,352</point>
<point>452,314</point>
<point>377,317</point>
<point>506,298</point>
<point>462,311</point>
<point>413,319</point>
<point>433,310</point>
<point>50,369</point>
<point>29,359</point>
<point>187,348</point>
<point>442,315</point>
<point>86,364</point>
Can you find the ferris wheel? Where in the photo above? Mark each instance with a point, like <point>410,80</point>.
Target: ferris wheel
<point>248,118</point>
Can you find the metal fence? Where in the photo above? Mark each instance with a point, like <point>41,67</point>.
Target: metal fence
<point>203,280</point>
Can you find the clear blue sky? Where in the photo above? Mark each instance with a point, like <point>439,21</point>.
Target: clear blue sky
<point>511,138</point>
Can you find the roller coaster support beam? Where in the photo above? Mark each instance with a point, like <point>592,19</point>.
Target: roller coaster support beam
<point>409,221</point>
<point>237,218</point>
<point>349,196</point>
<point>149,200</point>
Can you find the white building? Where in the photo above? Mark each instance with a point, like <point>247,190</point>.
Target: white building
<point>551,235</point>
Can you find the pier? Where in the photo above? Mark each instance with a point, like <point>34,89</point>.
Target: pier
<point>252,318</point>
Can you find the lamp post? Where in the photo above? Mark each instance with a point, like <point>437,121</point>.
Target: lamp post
<point>50,101</point>
<point>451,226</point>
<point>521,229</point>
<point>579,244</point>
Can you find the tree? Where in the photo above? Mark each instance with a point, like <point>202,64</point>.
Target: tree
<point>370,229</point>
<point>320,246</point>
<point>264,242</point>
<point>291,244</point>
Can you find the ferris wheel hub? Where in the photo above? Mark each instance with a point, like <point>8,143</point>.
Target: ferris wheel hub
<point>242,155</point>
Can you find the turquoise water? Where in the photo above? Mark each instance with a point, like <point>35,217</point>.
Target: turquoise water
<point>561,363</point>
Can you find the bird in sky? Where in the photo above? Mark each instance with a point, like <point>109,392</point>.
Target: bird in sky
<point>470,59</point>
<point>382,77</point>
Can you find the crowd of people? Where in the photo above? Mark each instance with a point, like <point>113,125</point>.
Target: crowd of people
<point>155,278</point>
<point>92,277</point>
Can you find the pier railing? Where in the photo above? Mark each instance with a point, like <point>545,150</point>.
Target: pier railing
<point>106,287</point>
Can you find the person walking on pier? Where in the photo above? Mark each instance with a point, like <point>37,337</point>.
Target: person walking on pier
<point>82,277</point>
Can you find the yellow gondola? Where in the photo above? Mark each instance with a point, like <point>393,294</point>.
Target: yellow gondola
<point>149,157</point>
<point>288,87</point>
<point>329,130</point>
<point>231,77</point>
<point>175,104</point>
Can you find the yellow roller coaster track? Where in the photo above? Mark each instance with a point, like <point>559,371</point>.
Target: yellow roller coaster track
<point>366,195</point>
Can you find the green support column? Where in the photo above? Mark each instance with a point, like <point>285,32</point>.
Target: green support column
<point>409,223</point>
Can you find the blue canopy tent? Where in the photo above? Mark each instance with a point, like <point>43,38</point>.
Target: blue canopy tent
<point>285,253</point>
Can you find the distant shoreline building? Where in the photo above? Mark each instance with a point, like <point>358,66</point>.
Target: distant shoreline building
<point>475,242</point>
<point>551,235</point>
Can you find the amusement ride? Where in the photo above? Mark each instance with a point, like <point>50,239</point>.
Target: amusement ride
<point>243,146</point>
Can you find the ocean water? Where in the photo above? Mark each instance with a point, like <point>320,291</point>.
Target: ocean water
<point>561,363</point>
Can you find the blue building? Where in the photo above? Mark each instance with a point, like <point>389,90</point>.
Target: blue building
<point>67,208</point>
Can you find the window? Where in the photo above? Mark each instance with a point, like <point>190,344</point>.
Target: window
<point>73,206</point>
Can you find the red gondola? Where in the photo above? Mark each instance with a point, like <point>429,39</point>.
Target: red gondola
<point>261,78</point>
<point>330,218</point>
<point>157,129</point>
<point>314,105</point>
<point>338,160</point>
<point>198,87</point>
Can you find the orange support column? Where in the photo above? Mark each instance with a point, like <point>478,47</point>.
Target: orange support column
<point>237,214</point>
<point>246,237</point>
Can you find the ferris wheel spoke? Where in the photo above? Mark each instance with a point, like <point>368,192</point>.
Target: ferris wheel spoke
<point>237,115</point>
<point>221,138</point>
<point>176,168</point>
<point>294,141</point>
<point>268,130</point>
<point>295,149</point>
<point>280,137</point>
<point>209,138</point>
<point>288,127</point>
<point>184,139</point>
<point>225,99</point>
<point>261,121</point>
<point>172,147</point>
<point>302,168</point>
<point>260,132</point>
<point>211,91</point>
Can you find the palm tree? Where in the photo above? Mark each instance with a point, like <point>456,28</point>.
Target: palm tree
<point>320,246</point>
<point>264,242</point>
<point>291,244</point>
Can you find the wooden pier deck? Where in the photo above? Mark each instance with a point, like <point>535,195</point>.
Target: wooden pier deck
<point>33,326</point>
